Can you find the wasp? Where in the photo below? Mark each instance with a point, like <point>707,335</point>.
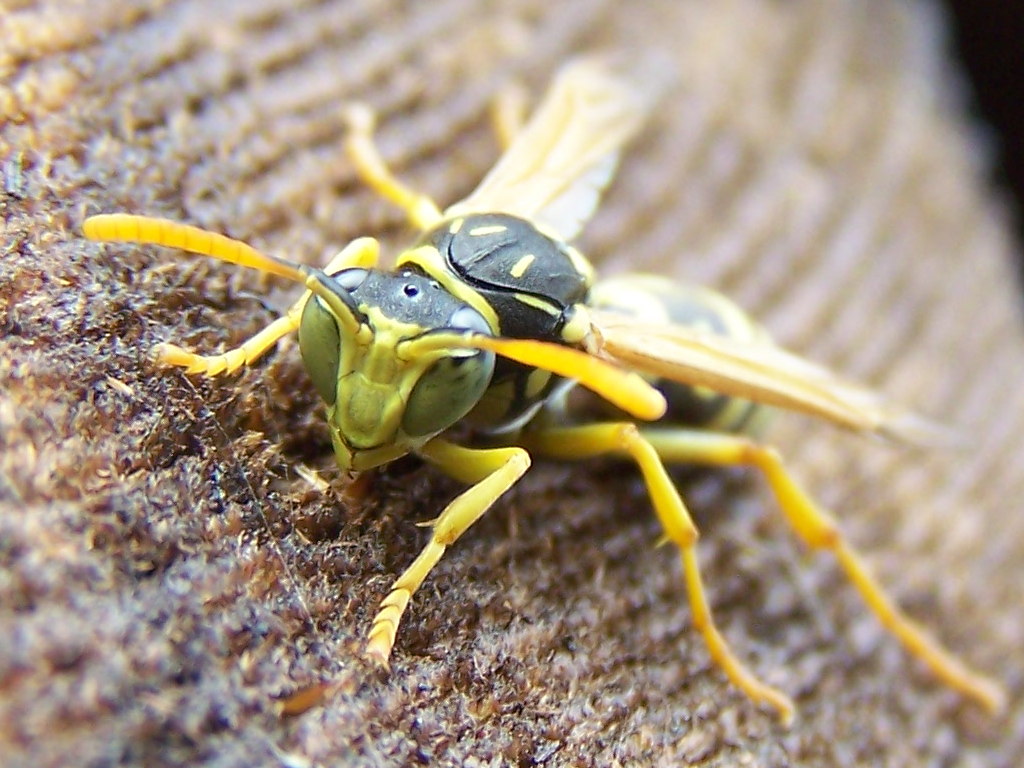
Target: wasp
<point>491,317</point>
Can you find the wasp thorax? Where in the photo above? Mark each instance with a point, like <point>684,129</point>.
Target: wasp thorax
<point>529,279</point>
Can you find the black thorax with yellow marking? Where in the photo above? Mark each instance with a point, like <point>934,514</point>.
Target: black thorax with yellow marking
<point>525,284</point>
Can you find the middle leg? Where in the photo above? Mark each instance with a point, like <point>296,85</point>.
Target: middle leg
<point>362,150</point>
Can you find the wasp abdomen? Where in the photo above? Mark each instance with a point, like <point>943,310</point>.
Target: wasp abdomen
<point>658,300</point>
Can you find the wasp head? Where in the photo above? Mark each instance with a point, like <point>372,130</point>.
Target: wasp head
<point>382,350</point>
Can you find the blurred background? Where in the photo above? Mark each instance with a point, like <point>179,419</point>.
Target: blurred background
<point>987,38</point>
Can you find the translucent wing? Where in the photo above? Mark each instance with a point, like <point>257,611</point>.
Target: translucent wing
<point>559,163</point>
<point>758,371</point>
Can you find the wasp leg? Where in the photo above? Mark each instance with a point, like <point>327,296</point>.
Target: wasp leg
<point>626,440</point>
<point>493,471</point>
<point>818,530</point>
<point>362,149</point>
<point>362,252</point>
<point>508,113</point>
<point>228,362</point>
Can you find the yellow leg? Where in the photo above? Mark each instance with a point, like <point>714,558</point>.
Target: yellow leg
<point>493,471</point>
<point>625,439</point>
<point>508,113</point>
<point>819,530</point>
<point>246,353</point>
<point>362,252</point>
<point>420,209</point>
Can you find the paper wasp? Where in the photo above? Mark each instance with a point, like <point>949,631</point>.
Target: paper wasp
<point>490,317</point>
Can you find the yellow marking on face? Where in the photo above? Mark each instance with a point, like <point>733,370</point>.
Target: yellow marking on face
<point>491,229</point>
<point>520,267</point>
<point>456,225</point>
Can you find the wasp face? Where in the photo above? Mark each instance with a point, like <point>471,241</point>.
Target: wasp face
<point>389,380</point>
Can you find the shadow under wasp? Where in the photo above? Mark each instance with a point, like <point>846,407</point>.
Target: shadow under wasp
<point>490,318</point>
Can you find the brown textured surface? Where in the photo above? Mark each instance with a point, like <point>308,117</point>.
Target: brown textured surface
<point>165,574</point>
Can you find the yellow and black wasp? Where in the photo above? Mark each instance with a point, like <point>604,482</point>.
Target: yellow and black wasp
<point>490,317</point>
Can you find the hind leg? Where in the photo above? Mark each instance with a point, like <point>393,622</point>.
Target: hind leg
<point>818,530</point>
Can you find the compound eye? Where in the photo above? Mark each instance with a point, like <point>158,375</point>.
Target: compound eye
<point>468,319</point>
<point>450,388</point>
<point>320,346</point>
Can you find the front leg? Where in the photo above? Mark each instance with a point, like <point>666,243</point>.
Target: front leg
<point>494,471</point>
<point>129,228</point>
<point>362,252</point>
